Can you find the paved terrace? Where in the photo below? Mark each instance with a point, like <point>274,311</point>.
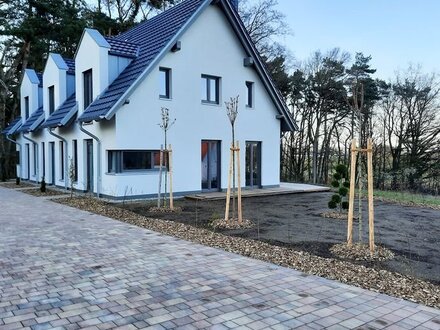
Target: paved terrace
<point>285,188</point>
<point>68,269</point>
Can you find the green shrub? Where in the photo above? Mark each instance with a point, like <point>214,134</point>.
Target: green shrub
<point>43,185</point>
<point>341,184</point>
<point>332,205</point>
<point>343,191</point>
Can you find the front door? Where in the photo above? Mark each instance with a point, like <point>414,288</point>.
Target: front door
<point>52,162</point>
<point>253,164</point>
<point>89,164</point>
<point>211,165</point>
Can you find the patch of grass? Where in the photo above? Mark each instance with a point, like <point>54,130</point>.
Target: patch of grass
<point>407,198</point>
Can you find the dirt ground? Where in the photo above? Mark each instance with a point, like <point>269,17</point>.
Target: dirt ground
<point>413,233</point>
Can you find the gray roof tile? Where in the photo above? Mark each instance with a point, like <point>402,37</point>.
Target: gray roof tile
<point>122,48</point>
<point>12,127</point>
<point>26,127</point>
<point>151,36</point>
<point>61,114</point>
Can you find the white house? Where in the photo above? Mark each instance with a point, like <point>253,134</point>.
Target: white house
<point>99,113</point>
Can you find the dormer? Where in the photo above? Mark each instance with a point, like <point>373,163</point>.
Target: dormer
<point>31,91</point>
<point>58,82</point>
<point>98,61</point>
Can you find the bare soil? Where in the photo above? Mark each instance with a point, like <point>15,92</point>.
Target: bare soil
<point>295,221</point>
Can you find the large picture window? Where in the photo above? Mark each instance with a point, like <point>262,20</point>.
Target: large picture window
<point>88,87</point>
<point>132,160</point>
<point>210,88</point>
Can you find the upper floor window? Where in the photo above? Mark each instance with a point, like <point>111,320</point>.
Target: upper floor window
<point>210,89</point>
<point>26,107</point>
<point>51,92</point>
<point>249,94</point>
<point>88,88</point>
<point>165,83</point>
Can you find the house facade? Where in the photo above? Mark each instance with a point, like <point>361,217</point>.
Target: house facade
<point>99,113</point>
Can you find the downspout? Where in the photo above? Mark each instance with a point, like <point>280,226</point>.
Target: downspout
<point>66,154</point>
<point>37,168</point>
<point>98,141</point>
<point>20,155</point>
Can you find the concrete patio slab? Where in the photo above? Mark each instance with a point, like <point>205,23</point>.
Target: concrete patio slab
<point>285,188</point>
<point>68,269</point>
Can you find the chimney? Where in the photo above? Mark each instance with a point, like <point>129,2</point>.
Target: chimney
<point>234,4</point>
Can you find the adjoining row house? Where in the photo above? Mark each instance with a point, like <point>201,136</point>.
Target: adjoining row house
<point>99,112</point>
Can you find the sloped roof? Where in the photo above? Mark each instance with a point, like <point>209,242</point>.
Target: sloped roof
<point>122,48</point>
<point>40,79</point>
<point>70,64</point>
<point>157,35</point>
<point>12,127</point>
<point>151,36</point>
<point>63,114</point>
<point>29,124</point>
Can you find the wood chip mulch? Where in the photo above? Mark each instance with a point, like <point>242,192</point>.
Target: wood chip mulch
<point>383,281</point>
<point>13,185</point>
<point>361,252</point>
<point>232,224</point>
<point>156,209</point>
<point>49,192</point>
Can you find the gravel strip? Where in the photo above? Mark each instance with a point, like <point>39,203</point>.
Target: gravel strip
<point>13,185</point>
<point>383,281</point>
<point>49,192</point>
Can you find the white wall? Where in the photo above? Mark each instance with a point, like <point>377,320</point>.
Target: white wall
<point>137,123</point>
<point>90,56</point>
<point>29,89</point>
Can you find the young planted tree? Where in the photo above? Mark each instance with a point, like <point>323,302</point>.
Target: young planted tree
<point>166,124</point>
<point>232,112</point>
<point>72,175</point>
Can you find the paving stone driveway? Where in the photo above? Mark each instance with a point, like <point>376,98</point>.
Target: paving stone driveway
<point>68,269</point>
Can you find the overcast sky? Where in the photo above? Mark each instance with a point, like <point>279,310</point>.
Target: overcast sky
<point>393,32</point>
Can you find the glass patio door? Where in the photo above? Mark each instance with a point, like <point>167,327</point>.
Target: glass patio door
<point>253,164</point>
<point>210,154</point>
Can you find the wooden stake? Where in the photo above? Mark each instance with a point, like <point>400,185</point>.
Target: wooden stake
<point>228,192</point>
<point>351,196</point>
<point>240,214</point>
<point>370,194</point>
<point>170,165</point>
<point>160,176</point>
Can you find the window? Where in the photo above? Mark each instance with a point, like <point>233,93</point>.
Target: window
<point>88,88</point>
<point>250,94</point>
<point>75,160</point>
<point>132,160</point>
<point>35,148</point>
<point>210,89</point>
<point>62,160</point>
<point>51,99</point>
<point>164,83</point>
<point>43,154</point>
<point>26,107</point>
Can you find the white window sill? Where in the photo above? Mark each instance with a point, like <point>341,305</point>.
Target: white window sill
<point>212,104</point>
<point>165,98</point>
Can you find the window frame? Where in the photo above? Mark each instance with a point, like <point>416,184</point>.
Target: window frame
<point>51,97</point>
<point>75,159</point>
<point>250,94</point>
<point>207,79</point>
<point>87,88</point>
<point>167,72</point>
<point>61,161</point>
<point>115,161</point>
<point>26,107</point>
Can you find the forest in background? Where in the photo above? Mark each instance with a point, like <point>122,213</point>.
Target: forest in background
<point>333,95</point>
